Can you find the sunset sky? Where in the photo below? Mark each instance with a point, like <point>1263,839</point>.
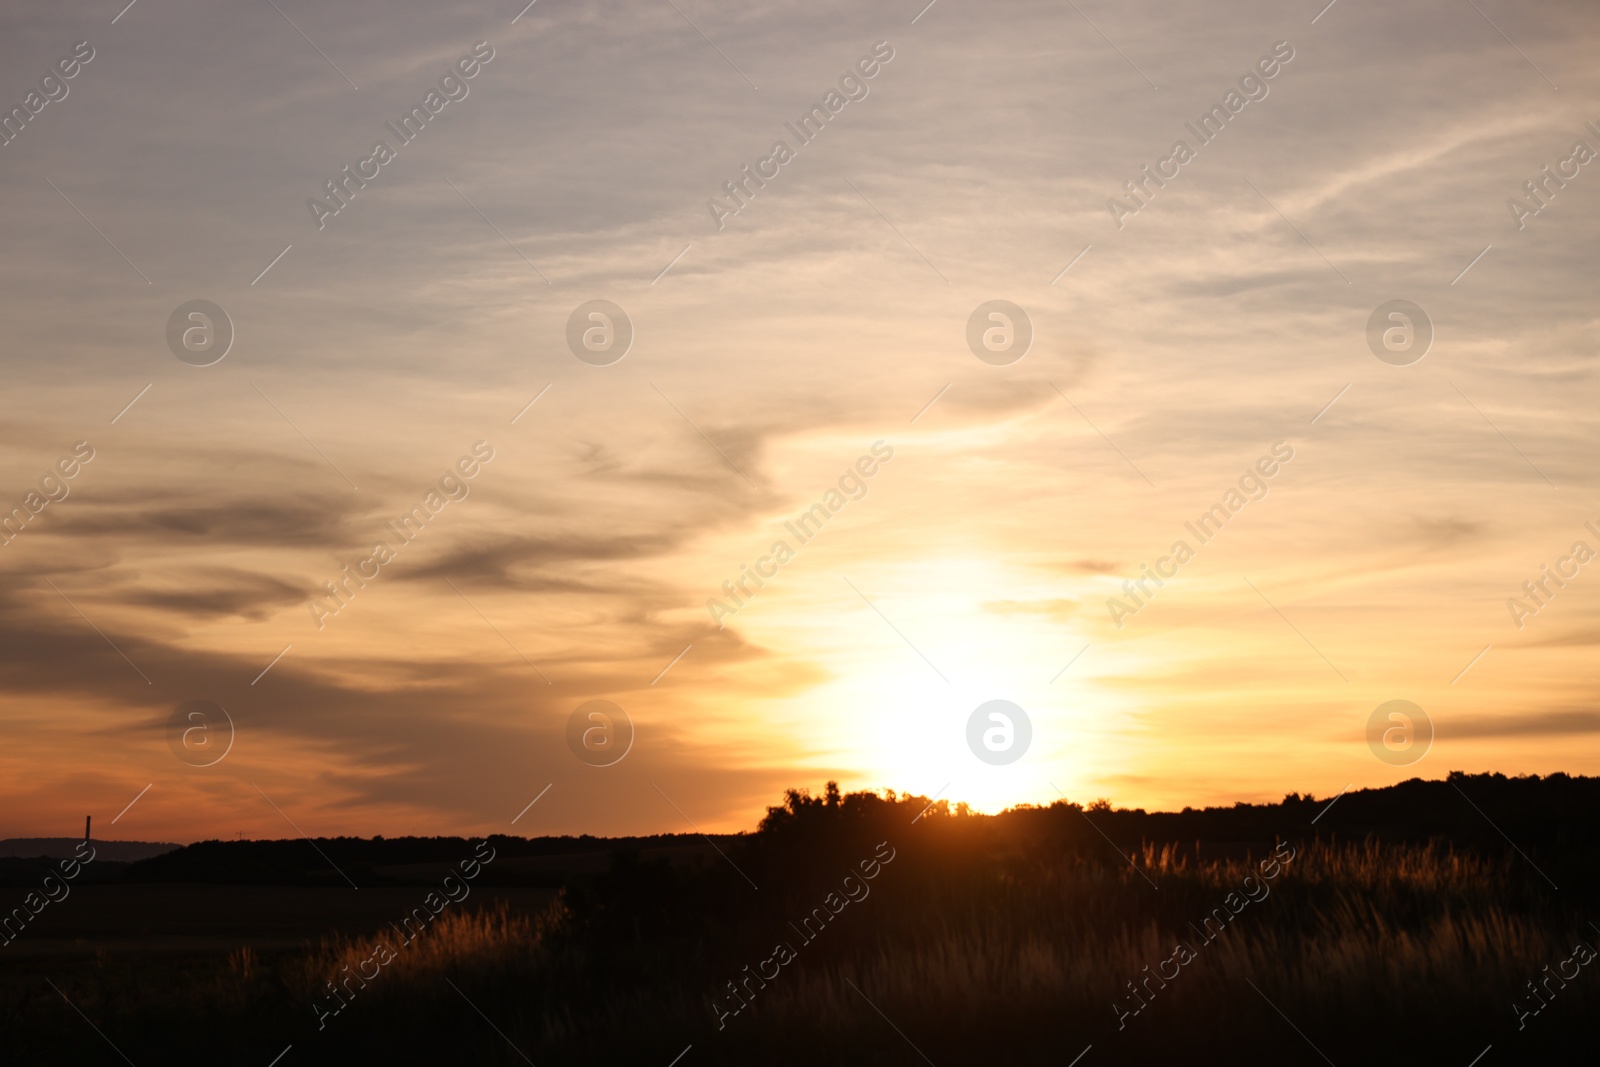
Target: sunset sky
<point>768,355</point>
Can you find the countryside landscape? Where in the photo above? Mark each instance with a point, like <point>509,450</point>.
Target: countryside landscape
<point>1381,926</point>
<point>1037,533</point>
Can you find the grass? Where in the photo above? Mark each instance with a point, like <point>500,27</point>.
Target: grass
<point>1011,939</point>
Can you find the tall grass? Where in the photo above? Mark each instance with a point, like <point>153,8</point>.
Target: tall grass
<point>1003,940</point>
<point>1372,951</point>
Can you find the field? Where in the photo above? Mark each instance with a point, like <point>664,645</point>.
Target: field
<point>867,929</point>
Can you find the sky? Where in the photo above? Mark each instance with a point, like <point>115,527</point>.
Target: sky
<point>1176,337</point>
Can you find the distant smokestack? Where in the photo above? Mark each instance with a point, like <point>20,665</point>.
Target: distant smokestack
<point>86,821</point>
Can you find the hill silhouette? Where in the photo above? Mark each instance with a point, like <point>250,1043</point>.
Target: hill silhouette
<point>62,847</point>
<point>1426,921</point>
<point>1468,811</point>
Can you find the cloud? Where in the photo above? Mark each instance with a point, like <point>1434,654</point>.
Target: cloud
<point>223,593</point>
<point>254,521</point>
<point>1536,724</point>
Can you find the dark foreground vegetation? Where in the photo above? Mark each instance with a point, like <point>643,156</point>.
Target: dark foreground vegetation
<point>1421,923</point>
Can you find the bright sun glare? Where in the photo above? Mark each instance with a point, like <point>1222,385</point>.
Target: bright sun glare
<point>905,682</point>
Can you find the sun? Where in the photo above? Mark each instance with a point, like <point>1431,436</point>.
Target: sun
<point>910,663</point>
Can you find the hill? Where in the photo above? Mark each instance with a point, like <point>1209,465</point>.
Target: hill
<point>58,848</point>
<point>1430,921</point>
<point>1468,811</point>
